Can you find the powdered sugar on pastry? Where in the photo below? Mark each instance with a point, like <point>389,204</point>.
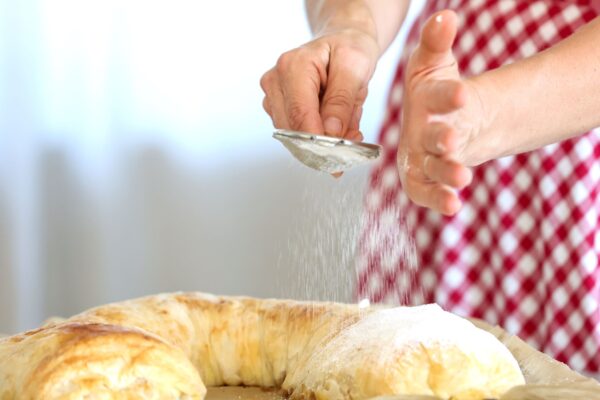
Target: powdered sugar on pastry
<point>410,350</point>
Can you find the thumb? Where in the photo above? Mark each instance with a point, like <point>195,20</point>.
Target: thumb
<point>346,89</point>
<point>437,37</point>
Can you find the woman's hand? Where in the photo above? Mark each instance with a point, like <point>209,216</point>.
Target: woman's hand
<point>321,86</point>
<point>442,114</point>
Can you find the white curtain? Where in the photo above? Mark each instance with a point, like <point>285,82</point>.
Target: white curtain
<point>135,156</point>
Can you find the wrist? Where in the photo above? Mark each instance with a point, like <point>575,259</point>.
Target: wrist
<point>484,143</point>
<point>347,16</point>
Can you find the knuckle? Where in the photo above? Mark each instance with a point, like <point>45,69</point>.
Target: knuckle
<point>316,50</point>
<point>342,98</point>
<point>285,61</point>
<point>297,114</point>
<point>266,105</point>
<point>362,94</point>
<point>265,81</point>
<point>304,53</point>
<point>300,59</point>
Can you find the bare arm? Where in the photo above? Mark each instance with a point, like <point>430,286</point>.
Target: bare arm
<point>380,18</point>
<point>543,99</point>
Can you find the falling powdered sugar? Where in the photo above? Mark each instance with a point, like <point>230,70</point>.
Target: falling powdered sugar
<point>334,241</point>
<point>387,262</point>
<point>318,258</point>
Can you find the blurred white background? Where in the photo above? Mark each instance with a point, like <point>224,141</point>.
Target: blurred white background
<point>135,157</point>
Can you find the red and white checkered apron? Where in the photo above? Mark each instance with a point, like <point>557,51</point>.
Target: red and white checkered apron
<point>523,252</point>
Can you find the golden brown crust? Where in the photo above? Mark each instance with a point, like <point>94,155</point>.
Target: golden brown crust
<point>74,359</point>
<point>170,346</point>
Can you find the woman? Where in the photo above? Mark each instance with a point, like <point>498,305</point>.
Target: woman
<point>498,101</point>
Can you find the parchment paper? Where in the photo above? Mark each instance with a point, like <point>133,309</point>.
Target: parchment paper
<point>546,378</point>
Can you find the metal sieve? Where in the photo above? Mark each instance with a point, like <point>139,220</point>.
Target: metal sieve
<point>326,153</point>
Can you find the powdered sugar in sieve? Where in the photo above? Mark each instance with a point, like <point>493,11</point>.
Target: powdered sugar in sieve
<point>326,153</point>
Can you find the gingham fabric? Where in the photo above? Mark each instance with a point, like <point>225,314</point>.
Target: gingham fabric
<point>523,252</point>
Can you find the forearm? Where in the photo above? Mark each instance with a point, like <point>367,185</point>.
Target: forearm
<point>381,19</point>
<point>543,99</point>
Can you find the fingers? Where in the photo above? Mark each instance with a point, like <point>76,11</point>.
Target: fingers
<point>292,91</point>
<point>272,102</point>
<point>433,180</point>
<point>443,96</point>
<point>293,102</point>
<point>355,136</point>
<point>344,94</point>
<point>437,37</point>
<point>447,172</point>
<point>321,86</point>
<point>274,105</point>
<point>440,142</point>
<point>432,195</point>
<point>353,131</point>
<point>300,80</point>
<point>440,139</point>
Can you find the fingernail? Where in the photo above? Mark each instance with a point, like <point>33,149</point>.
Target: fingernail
<point>333,126</point>
<point>440,146</point>
<point>438,18</point>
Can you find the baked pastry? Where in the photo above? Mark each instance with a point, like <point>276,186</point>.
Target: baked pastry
<point>171,346</point>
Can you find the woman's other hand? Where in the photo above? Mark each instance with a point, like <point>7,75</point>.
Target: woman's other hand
<point>441,116</point>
